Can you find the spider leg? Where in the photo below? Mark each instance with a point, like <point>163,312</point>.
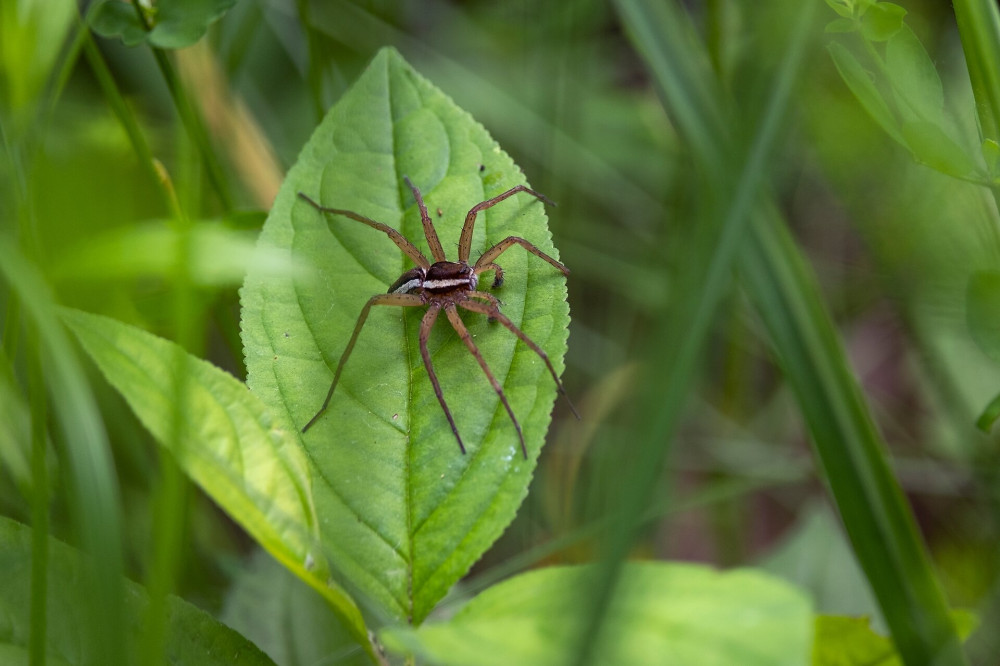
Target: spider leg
<point>425,333</point>
<point>494,313</point>
<point>491,254</point>
<point>465,240</point>
<point>497,272</point>
<point>485,296</point>
<point>429,232</point>
<point>406,246</point>
<point>378,299</point>
<point>463,333</point>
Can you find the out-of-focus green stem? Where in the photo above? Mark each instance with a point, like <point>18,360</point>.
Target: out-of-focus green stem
<point>39,506</point>
<point>191,120</point>
<point>979,27</point>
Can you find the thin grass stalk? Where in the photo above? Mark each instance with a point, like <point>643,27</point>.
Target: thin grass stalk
<point>39,506</point>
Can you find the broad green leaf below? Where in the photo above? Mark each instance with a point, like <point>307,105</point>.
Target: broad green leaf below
<point>662,613</point>
<point>194,636</point>
<point>403,514</point>
<point>242,456</point>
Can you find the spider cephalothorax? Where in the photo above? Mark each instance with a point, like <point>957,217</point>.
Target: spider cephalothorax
<point>447,285</point>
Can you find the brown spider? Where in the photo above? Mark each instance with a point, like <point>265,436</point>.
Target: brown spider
<point>447,285</point>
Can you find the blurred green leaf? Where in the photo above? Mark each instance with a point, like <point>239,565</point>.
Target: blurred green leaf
<point>982,311</point>
<point>244,457</point>
<point>32,32</point>
<point>816,556</point>
<point>989,415</point>
<point>218,256</point>
<point>850,641</point>
<point>193,635</point>
<point>15,430</point>
<point>841,25</point>
<point>881,21</point>
<point>661,613</point>
<point>114,18</point>
<point>843,7</point>
<point>861,84</point>
<point>914,79</point>
<point>932,146</point>
<point>405,514</point>
<point>991,153</point>
<point>174,23</point>
<point>181,23</point>
<point>286,618</point>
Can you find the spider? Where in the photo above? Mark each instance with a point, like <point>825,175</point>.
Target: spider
<point>447,285</point>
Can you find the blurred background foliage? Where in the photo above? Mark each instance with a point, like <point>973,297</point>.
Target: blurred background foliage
<point>560,87</point>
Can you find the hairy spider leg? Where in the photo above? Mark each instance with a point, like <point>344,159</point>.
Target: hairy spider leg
<point>429,232</point>
<point>405,300</point>
<point>486,261</point>
<point>465,240</point>
<point>425,333</point>
<point>494,313</point>
<point>463,332</point>
<point>406,246</point>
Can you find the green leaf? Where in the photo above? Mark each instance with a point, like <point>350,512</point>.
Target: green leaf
<point>914,79</point>
<point>989,415</point>
<point>181,23</point>
<point>174,23</point>
<point>843,7</point>
<point>661,613</point>
<point>217,255</point>
<point>881,21</point>
<point>850,641</point>
<point>861,84</point>
<point>405,514</point>
<point>113,18</point>
<point>841,25</point>
<point>194,636</point>
<point>243,456</point>
<point>931,145</point>
<point>982,311</point>
<point>846,641</point>
<point>286,618</point>
<point>991,153</point>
